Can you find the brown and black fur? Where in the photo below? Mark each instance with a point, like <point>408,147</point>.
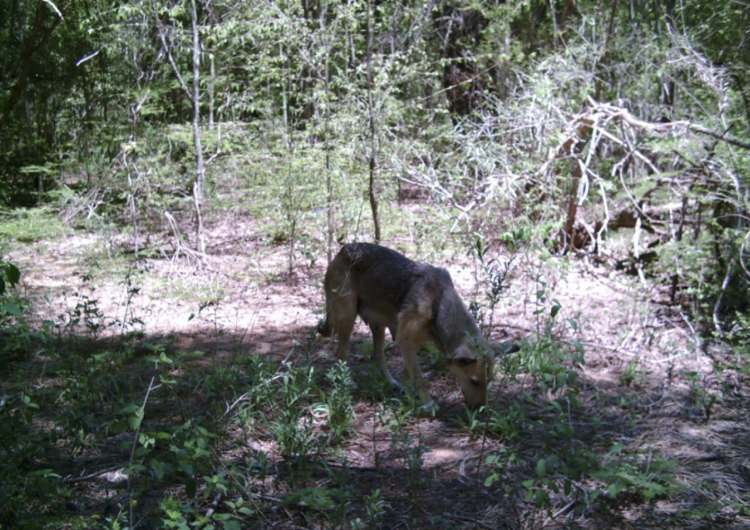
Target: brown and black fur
<point>417,303</point>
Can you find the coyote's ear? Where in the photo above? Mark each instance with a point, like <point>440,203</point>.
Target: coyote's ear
<point>503,348</point>
<point>463,356</point>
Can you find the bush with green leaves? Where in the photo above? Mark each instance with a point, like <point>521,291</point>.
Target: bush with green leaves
<point>15,334</point>
<point>9,276</point>
<point>27,481</point>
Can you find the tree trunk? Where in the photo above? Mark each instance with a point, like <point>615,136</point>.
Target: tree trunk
<point>330,218</point>
<point>194,96</point>
<point>211,85</point>
<point>288,200</point>
<point>572,149</point>
<point>373,130</point>
<point>23,64</point>
<point>459,28</point>
<point>200,169</point>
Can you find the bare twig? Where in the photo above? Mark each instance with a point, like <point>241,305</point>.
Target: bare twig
<point>720,300</point>
<point>466,519</point>
<point>135,444</point>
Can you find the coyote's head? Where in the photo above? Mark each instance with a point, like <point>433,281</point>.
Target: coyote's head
<point>473,364</point>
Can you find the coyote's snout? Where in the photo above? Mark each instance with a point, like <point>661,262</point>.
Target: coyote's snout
<point>417,303</point>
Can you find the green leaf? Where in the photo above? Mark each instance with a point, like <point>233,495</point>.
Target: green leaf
<point>191,489</point>
<point>542,498</point>
<point>158,468</point>
<point>232,525</point>
<point>541,467</point>
<point>13,274</point>
<point>134,420</point>
<point>129,409</point>
<point>11,308</point>
<point>615,488</point>
<point>47,473</point>
<point>163,358</point>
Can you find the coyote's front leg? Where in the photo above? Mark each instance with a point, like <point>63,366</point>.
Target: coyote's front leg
<point>412,332</point>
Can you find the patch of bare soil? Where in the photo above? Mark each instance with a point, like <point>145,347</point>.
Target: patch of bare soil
<point>648,392</point>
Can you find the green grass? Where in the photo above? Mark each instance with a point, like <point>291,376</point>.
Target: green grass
<point>31,225</point>
<point>201,292</point>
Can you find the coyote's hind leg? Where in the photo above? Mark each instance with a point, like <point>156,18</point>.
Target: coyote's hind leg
<point>378,340</point>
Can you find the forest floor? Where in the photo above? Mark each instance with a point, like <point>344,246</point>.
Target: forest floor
<point>668,434</point>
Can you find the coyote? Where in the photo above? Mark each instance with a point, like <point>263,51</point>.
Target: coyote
<point>417,303</point>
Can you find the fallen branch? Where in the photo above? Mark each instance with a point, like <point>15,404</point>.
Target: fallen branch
<point>466,519</point>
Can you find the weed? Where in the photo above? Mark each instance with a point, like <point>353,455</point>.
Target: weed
<point>320,504</point>
<point>703,398</point>
<point>504,458</point>
<point>649,478</point>
<point>557,472</point>
<point>130,322</point>
<point>33,224</point>
<point>494,274</point>
<point>632,374</point>
<point>412,449</point>
<point>366,348</point>
<point>372,386</point>
<point>205,293</point>
<point>319,499</point>
<point>293,426</point>
<point>506,423</point>
<point>176,514</point>
<point>375,507</point>
<point>338,400</point>
<point>117,522</point>
<point>438,361</point>
<point>260,392</point>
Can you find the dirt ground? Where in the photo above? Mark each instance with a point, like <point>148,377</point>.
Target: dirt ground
<point>636,386</point>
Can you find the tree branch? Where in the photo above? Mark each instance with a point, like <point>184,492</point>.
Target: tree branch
<point>722,137</point>
<point>168,51</point>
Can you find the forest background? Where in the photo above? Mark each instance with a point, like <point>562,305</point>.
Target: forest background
<point>211,155</point>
